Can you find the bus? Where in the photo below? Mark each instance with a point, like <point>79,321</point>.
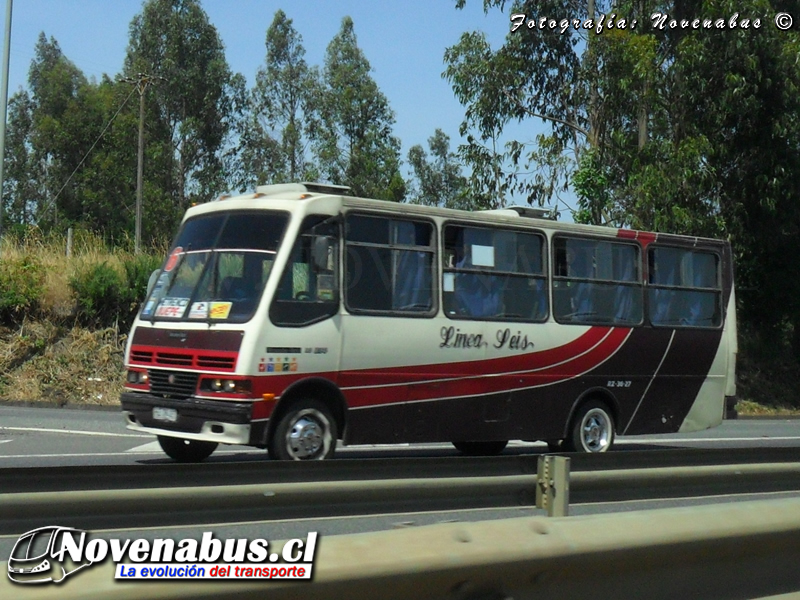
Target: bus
<point>299,317</point>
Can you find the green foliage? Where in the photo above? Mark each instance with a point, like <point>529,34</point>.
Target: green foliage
<point>192,106</point>
<point>107,298</point>
<point>437,182</point>
<point>277,133</point>
<point>138,269</point>
<point>353,139</point>
<point>101,295</point>
<point>21,287</point>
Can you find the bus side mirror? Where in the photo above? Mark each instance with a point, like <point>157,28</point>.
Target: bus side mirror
<point>322,246</point>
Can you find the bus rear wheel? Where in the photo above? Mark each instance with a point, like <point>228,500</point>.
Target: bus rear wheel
<point>592,429</point>
<point>480,448</point>
<point>306,432</point>
<point>186,450</point>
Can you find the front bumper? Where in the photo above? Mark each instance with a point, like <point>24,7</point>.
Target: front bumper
<point>224,422</point>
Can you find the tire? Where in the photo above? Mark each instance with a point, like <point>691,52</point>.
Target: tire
<point>592,429</point>
<point>186,451</point>
<point>480,448</point>
<point>306,432</point>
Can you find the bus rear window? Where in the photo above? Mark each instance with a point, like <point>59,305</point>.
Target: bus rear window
<point>684,288</point>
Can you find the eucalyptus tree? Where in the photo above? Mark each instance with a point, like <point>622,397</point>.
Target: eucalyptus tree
<point>354,145</point>
<point>438,180</point>
<point>56,123</point>
<point>276,140</point>
<point>191,100</point>
<point>21,188</point>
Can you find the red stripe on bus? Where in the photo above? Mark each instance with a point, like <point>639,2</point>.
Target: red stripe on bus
<point>423,382</point>
<point>504,379</point>
<point>521,362</point>
<point>645,237</point>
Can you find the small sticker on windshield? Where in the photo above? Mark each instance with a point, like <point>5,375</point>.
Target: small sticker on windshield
<point>172,307</point>
<point>148,308</point>
<point>220,310</point>
<point>199,310</point>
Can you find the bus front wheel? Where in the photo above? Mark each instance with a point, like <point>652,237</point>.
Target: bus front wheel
<point>480,448</point>
<point>186,450</point>
<point>306,432</point>
<point>592,429</point>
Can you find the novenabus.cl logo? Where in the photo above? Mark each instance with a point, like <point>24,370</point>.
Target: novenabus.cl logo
<point>39,555</point>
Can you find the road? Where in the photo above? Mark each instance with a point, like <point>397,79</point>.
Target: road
<point>42,437</point>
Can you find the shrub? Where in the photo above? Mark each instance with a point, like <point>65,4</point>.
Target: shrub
<point>21,287</point>
<point>107,298</point>
<point>137,271</point>
<point>101,295</point>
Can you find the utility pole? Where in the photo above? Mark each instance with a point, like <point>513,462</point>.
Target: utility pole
<point>141,81</point>
<point>4,105</point>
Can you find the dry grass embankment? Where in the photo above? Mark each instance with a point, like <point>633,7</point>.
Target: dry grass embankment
<point>51,350</point>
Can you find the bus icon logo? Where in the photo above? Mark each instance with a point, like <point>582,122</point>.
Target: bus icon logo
<point>38,556</point>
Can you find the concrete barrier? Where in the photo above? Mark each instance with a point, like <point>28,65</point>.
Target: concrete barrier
<point>731,551</point>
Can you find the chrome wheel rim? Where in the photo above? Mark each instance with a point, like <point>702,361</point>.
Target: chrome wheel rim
<point>596,431</point>
<point>309,436</point>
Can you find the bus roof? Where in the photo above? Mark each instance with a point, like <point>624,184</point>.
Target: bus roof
<point>331,199</point>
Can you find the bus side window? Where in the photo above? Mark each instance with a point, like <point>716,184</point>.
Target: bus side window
<point>389,265</point>
<point>597,281</point>
<point>307,291</point>
<point>684,288</point>
<point>494,273</point>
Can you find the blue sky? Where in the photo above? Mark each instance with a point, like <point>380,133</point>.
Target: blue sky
<point>403,40</point>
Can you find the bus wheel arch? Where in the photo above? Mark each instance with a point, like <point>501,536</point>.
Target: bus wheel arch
<point>312,409</point>
<point>592,423</point>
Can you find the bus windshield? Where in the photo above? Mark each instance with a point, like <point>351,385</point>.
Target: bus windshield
<point>217,268</point>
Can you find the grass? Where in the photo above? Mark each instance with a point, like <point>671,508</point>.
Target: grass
<point>45,355</point>
<point>50,250</point>
<point>749,408</point>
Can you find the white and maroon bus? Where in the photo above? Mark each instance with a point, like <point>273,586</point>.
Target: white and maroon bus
<point>298,316</point>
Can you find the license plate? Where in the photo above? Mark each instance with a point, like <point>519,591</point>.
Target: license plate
<point>170,415</point>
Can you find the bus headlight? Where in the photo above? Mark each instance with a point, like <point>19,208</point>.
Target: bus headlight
<point>137,377</point>
<point>226,386</point>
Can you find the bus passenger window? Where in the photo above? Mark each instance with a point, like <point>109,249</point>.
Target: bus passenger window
<point>596,282</point>
<point>389,265</point>
<point>494,274</point>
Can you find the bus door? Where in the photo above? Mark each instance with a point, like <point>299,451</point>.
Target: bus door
<point>389,330</point>
<point>305,309</point>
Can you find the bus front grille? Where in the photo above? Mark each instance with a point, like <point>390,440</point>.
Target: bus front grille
<point>172,384</point>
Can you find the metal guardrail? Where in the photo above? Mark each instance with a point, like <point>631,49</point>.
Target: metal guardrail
<point>163,473</point>
<point>551,490</point>
<point>733,551</point>
<point>556,485</point>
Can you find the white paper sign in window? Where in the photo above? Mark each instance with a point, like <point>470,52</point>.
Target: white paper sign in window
<point>482,256</point>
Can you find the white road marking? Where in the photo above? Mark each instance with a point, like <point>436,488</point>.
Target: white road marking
<point>74,432</point>
<point>675,440</point>
<point>3,441</point>
<point>151,447</point>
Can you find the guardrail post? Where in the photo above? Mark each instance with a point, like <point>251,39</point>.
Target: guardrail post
<point>552,485</point>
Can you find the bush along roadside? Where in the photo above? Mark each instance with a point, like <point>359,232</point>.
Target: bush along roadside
<point>107,298</point>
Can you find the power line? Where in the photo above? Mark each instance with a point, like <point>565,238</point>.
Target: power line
<point>85,156</point>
